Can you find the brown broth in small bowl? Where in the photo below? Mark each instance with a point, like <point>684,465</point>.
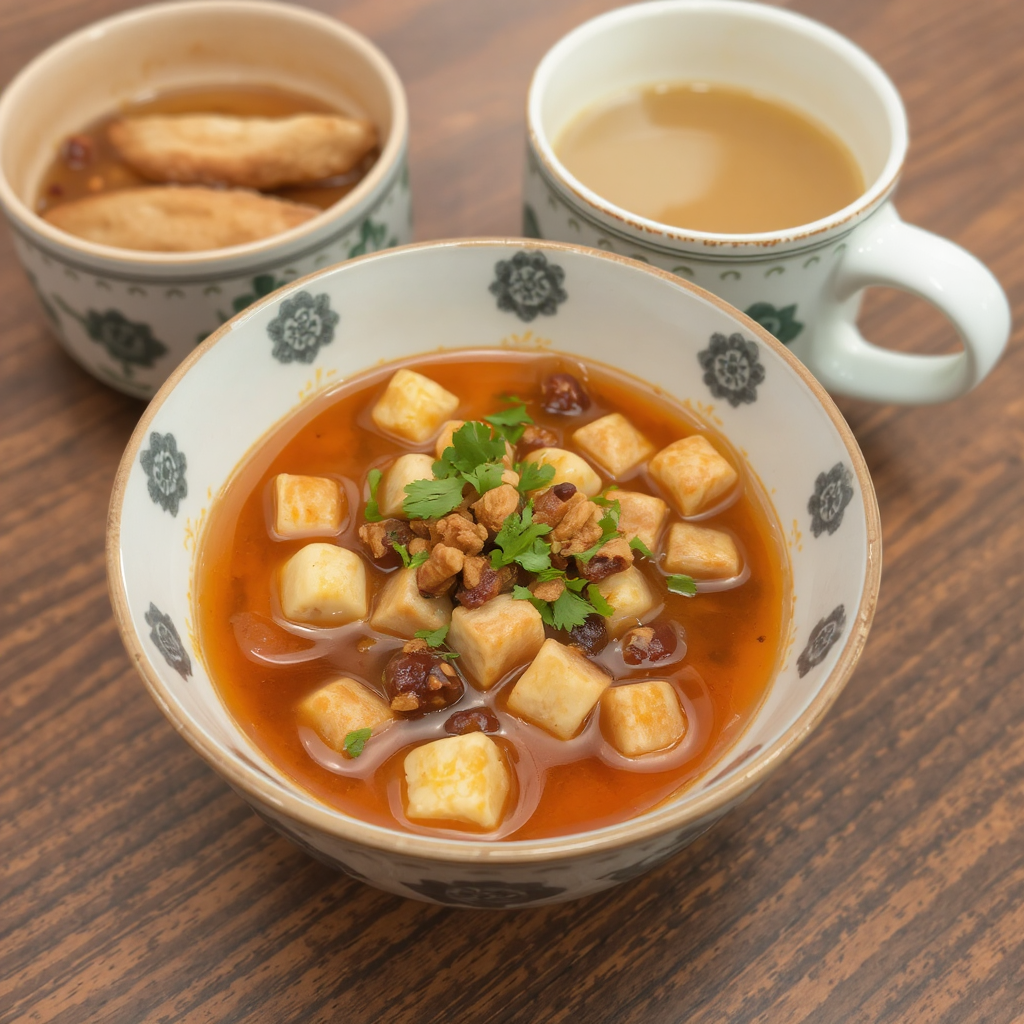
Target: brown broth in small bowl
<point>727,639</point>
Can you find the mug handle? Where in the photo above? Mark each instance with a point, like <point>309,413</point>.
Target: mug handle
<point>886,251</point>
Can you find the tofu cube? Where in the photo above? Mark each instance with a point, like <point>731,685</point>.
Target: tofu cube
<point>402,610</point>
<point>629,594</point>
<point>570,468</point>
<point>640,718</point>
<point>700,552</point>
<point>341,707</point>
<point>413,406</point>
<point>307,506</point>
<point>324,585</point>
<point>495,638</point>
<point>444,439</point>
<point>613,443</point>
<point>404,470</point>
<point>642,515</point>
<point>458,778</point>
<point>558,690</point>
<point>693,473</point>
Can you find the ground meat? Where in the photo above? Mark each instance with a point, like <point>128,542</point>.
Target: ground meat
<point>535,436</point>
<point>563,393</point>
<point>472,720</point>
<point>549,590</point>
<point>578,529</point>
<point>615,556</point>
<point>489,583</point>
<point>458,532</point>
<point>648,643</point>
<point>551,505</point>
<point>494,507</point>
<point>419,681</point>
<point>590,637</point>
<point>438,572</point>
<point>380,538</point>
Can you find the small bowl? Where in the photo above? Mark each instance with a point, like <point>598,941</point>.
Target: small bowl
<point>130,317</point>
<point>239,385</point>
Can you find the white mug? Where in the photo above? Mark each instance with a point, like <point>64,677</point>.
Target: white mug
<point>804,284</point>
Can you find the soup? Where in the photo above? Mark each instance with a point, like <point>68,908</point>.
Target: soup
<point>710,158</point>
<point>492,595</point>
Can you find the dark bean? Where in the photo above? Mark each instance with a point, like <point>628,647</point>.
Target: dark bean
<point>563,492</point>
<point>77,151</point>
<point>472,720</point>
<point>649,644</point>
<point>564,394</point>
<point>420,681</point>
<point>535,436</point>
<point>592,636</point>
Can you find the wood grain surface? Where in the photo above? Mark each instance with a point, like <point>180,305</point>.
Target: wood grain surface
<point>878,876</point>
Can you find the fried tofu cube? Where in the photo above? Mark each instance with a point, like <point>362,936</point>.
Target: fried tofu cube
<point>641,515</point>
<point>558,690</point>
<point>413,406</point>
<point>307,506</point>
<point>700,552</point>
<point>444,439</point>
<point>613,443</point>
<point>324,585</point>
<point>570,468</point>
<point>458,778</point>
<point>404,470</point>
<point>495,638</point>
<point>693,473</point>
<point>640,718</point>
<point>341,707</point>
<point>401,609</point>
<point>629,594</point>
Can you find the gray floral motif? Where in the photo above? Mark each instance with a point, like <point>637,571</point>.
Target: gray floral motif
<point>832,493</point>
<point>127,342</point>
<point>823,637</point>
<point>371,239</point>
<point>303,325</point>
<point>528,285</point>
<point>168,643</point>
<point>484,894</point>
<point>732,369</point>
<point>531,228</point>
<point>164,465</point>
<point>780,322</point>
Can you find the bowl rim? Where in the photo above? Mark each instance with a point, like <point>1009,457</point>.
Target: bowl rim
<point>663,819</point>
<point>27,220</point>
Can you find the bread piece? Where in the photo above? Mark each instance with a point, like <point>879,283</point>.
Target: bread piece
<point>613,443</point>
<point>406,469</point>
<point>641,515</point>
<point>700,552</point>
<point>640,718</point>
<point>324,585</point>
<point>251,152</point>
<point>459,778</point>
<point>413,406</point>
<point>628,593</point>
<point>341,707</point>
<point>307,506</point>
<point>558,690</point>
<point>496,637</point>
<point>693,473</point>
<point>166,218</point>
<point>569,468</point>
<point>402,610</point>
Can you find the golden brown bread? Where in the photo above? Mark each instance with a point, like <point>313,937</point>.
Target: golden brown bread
<point>169,218</point>
<point>252,152</point>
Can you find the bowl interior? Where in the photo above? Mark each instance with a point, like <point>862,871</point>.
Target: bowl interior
<point>269,362</point>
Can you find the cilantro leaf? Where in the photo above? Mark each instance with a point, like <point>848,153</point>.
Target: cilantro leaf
<point>685,585</point>
<point>609,524</point>
<point>356,740</point>
<point>603,500</point>
<point>510,423</point>
<point>484,477</point>
<point>534,475</point>
<point>601,606</point>
<point>372,512</point>
<point>431,499</point>
<point>473,445</point>
<point>571,609</point>
<point>519,541</point>
<point>523,594</point>
<point>434,637</point>
<point>410,561</point>
<point>638,545</point>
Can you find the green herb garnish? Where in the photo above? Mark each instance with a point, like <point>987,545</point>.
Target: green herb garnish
<point>597,599</point>
<point>434,637</point>
<point>609,524</point>
<point>571,608</point>
<point>372,513</point>
<point>510,423</point>
<point>431,499</point>
<point>534,475</point>
<point>519,541</point>
<point>356,740</point>
<point>685,585</point>
<point>638,545</point>
<point>603,500</point>
<point>410,561</point>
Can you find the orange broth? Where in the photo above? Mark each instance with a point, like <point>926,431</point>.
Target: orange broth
<point>732,637</point>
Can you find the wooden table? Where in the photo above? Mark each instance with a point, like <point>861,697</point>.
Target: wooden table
<point>878,876</point>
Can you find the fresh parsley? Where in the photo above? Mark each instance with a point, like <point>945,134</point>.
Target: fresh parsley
<point>685,585</point>
<point>431,499</point>
<point>609,524</point>
<point>638,545</point>
<point>434,637</point>
<point>534,475</point>
<point>372,513</point>
<point>410,561</point>
<point>519,541</point>
<point>510,423</point>
<point>571,608</point>
<point>597,599</point>
<point>603,500</point>
<point>473,445</point>
<point>356,740</point>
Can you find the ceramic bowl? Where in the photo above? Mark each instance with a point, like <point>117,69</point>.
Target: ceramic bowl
<point>130,317</point>
<point>504,294</point>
